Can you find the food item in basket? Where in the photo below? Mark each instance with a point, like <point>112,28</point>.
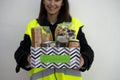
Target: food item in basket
<point>58,31</point>
<point>71,34</point>
<point>73,43</point>
<point>48,44</point>
<point>47,36</point>
<point>36,36</point>
<point>62,41</point>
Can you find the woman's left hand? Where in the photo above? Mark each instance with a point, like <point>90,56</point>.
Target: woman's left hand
<point>81,61</point>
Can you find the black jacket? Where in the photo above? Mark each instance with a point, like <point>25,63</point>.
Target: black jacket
<point>23,50</point>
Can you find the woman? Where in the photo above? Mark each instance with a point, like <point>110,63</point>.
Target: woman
<point>53,12</point>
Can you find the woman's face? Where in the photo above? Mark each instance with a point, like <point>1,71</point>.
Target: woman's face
<point>53,6</point>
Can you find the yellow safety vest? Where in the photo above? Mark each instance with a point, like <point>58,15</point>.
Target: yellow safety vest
<point>54,74</point>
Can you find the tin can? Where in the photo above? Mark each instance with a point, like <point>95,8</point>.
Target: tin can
<point>48,44</point>
<point>73,43</point>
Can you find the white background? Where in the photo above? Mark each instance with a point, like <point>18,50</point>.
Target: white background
<point>102,29</point>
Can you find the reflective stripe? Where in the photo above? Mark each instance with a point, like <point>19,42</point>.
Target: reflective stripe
<point>47,72</point>
<point>41,74</point>
<point>69,72</point>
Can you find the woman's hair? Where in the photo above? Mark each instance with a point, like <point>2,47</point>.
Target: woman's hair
<point>64,14</point>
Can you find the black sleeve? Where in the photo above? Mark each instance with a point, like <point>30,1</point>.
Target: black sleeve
<point>86,51</point>
<point>22,53</point>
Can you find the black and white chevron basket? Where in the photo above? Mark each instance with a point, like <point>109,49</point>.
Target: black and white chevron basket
<point>74,53</point>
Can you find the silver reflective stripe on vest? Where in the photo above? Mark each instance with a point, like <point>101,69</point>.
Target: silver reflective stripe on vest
<point>47,72</point>
<point>69,72</point>
<point>41,74</point>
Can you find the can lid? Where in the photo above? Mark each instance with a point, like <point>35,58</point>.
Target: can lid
<point>73,40</point>
<point>46,42</point>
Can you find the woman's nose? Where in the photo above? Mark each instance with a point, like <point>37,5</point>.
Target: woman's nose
<point>52,2</point>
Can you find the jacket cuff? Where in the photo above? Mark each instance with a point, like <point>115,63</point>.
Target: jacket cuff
<point>22,63</point>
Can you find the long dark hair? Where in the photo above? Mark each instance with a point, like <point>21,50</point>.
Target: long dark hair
<point>64,14</point>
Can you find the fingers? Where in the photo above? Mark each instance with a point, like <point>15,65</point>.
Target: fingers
<point>81,61</point>
<point>28,59</point>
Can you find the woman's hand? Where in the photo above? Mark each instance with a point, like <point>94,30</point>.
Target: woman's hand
<point>81,61</point>
<point>28,59</point>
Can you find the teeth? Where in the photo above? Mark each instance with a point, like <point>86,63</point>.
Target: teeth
<point>51,8</point>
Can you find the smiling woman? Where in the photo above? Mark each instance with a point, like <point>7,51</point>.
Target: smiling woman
<point>52,13</point>
<point>53,6</point>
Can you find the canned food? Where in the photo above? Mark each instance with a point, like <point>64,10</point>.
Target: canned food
<point>73,43</point>
<point>48,44</point>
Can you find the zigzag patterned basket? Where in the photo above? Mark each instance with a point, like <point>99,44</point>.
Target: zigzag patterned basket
<point>72,53</point>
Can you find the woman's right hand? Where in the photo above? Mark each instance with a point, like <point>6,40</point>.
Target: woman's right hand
<point>28,59</point>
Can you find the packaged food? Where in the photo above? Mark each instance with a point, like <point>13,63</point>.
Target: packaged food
<point>36,36</point>
<point>47,35</point>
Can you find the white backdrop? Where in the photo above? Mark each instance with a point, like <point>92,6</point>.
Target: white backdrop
<point>102,24</point>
